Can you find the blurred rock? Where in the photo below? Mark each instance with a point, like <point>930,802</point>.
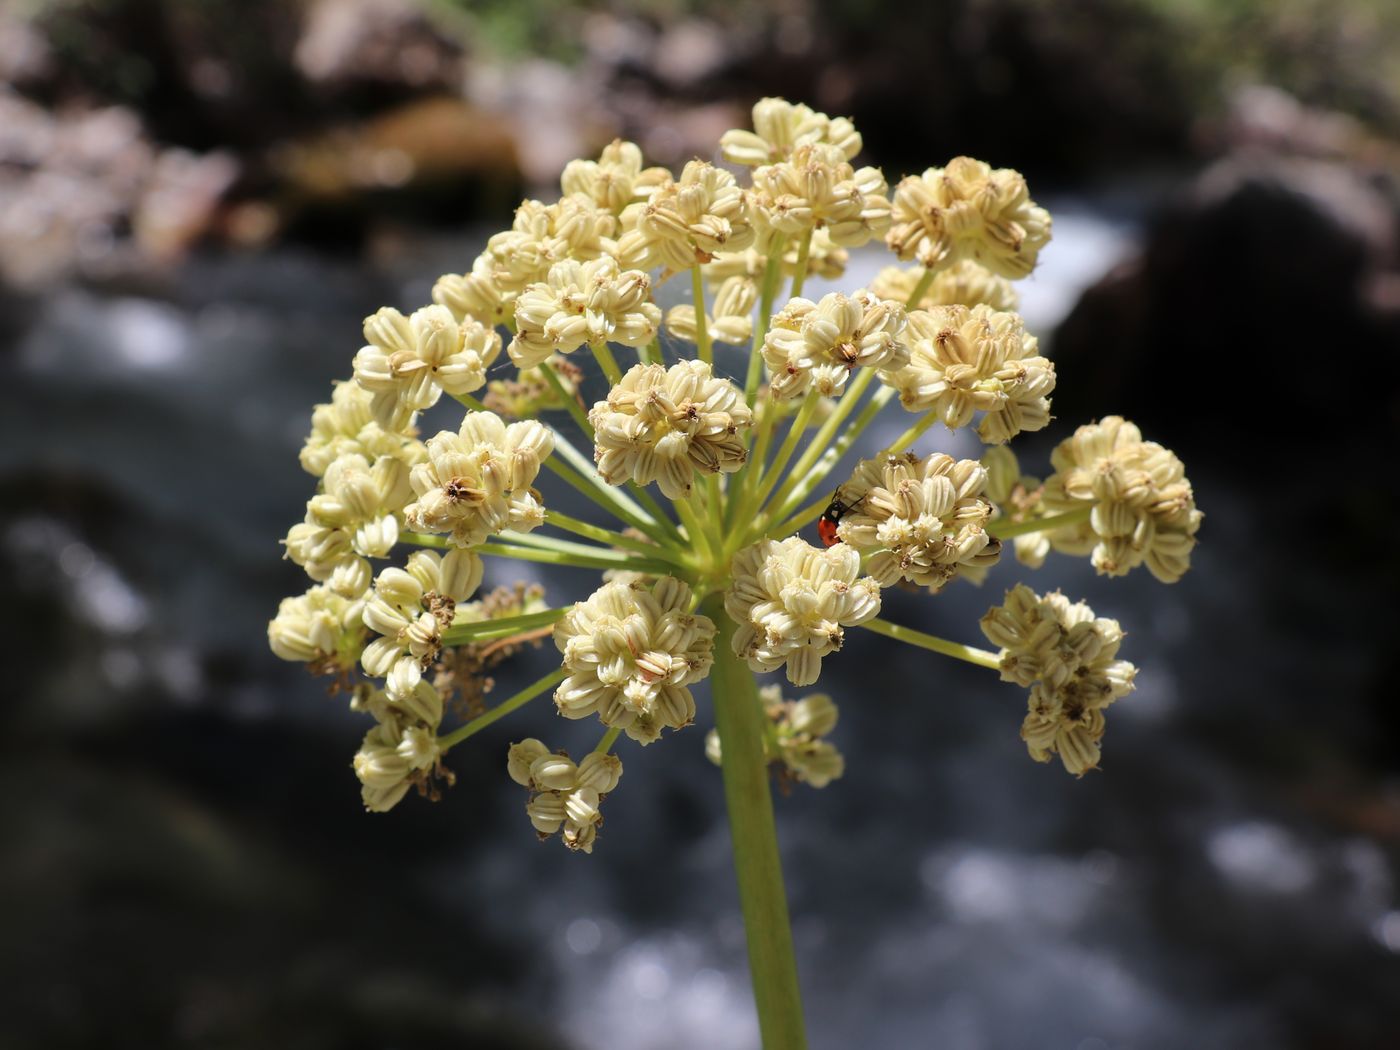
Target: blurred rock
<point>86,192</point>
<point>376,45</point>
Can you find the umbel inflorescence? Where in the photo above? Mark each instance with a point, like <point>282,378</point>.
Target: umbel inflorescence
<point>708,465</point>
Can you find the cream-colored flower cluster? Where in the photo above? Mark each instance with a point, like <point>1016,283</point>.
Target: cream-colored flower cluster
<point>402,750</point>
<point>792,600</point>
<point>686,221</point>
<point>346,426</point>
<point>1143,511</point>
<point>963,361</point>
<point>564,795</point>
<point>319,627</point>
<point>615,180</point>
<point>779,127</point>
<point>795,740</point>
<point>815,188</point>
<point>968,211</point>
<point>479,480</point>
<point>666,424</point>
<point>573,279</point>
<point>410,362</point>
<point>631,652</point>
<point>816,346</point>
<point>920,520</point>
<point>583,304</point>
<point>355,515</point>
<point>1068,657</point>
<point>409,609</point>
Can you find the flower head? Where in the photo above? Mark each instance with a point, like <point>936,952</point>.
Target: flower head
<point>817,345</point>
<point>968,211</point>
<point>354,516</point>
<point>1143,508</point>
<point>411,607</point>
<point>1069,659</point>
<point>686,221</point>
<point>631,652</point>
<point>410,361</point>
<point>402,750</point>
<point>346,426</point>
<point>564,795</point>
<point>319,627</point>
<point>780,126</point>
<point>963,361</point>
<point>731,319</point>
<point>583,304</point>
<point>542,235</point>
<point>664,425</point>
<point>816,188</point>
<point>478,480</point>
<point>791,601</point>
<point>616,179</point>
<point>919,520</point>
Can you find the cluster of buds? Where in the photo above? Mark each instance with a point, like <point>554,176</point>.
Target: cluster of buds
<point>479,480</point>
<point>1068,658</point>
<point>722,576</point>
<point>410,362</point>
<point>792,602</point>
<point>664,425</point>
<point>968,211</point>
<point>631,652</point>
<point>967,360</point>
<point>920,520</point>
<point>564,795</point>
<point>816,346</point>
<point>1142,509</point>
<point>794,742</point>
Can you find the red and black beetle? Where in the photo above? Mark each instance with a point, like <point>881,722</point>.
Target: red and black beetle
<point>831,517</point>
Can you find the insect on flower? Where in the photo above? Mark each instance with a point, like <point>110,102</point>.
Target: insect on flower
<point>831,517</point>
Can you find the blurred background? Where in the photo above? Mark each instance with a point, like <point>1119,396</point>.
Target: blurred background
<point>200,201</point>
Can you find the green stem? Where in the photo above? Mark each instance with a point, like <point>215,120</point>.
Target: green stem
<point>1006,530</point>
<point>772,475</point>
<point>571,402</point>
<point>693,517</point>
<point>601,560</point>
<point>805,516</point>
<point>608,499</point>
<point>816,474</point>
<point>829,427</point>
<point>917,295</point>
<point>651,353</point>
<point>609,739</point>
<point>913,432</point>
<point>604,355</point>
<point>504,627</point>
<point>505,707</point>
<point>980,657</point>
<point>702,324</point>
<point>772,278</point>
<point>424,539</point>
<point>656,523</point>
<point>608,536</point>
<point>772,962</point>
<point>804,250</point>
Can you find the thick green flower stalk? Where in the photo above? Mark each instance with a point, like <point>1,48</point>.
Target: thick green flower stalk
<point>709,465</point>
